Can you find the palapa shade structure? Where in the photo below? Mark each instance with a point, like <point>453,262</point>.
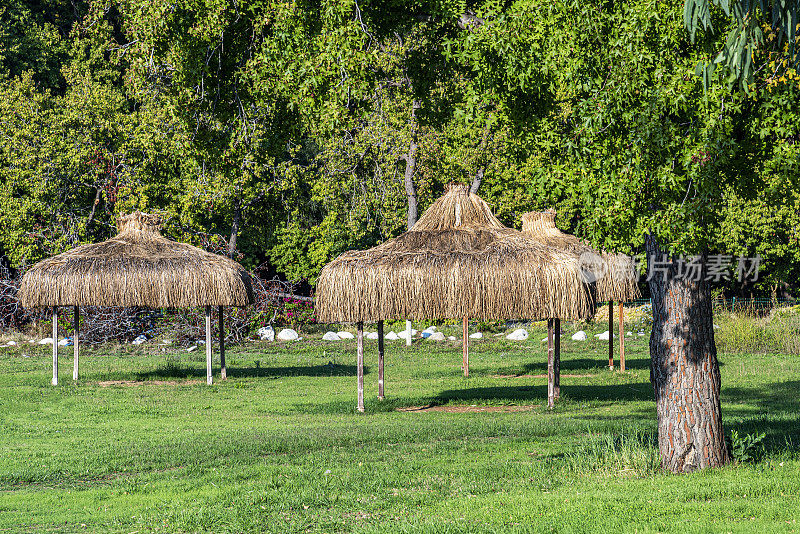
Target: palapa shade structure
<point>613,275</point>
<point>458,261</point>
<point>138,267</point>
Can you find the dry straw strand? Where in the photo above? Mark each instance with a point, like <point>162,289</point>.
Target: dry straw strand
<point>458,261</point>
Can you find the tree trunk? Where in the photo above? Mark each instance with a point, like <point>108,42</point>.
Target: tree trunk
<point>237,219</point>
<point>476,182</point>
<point>411,167</point>
<point>685,371</point>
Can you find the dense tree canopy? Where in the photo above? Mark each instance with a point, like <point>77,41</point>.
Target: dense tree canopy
<point>281,129</point>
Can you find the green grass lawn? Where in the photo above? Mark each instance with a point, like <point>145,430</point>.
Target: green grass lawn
<point>279,446</point>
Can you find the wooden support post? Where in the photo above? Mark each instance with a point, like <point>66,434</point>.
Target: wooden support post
<point>360,364</point>
<point>380,360</point>
<point>55,346</point>
<point>551,369</point>
<point>611,335</point>
<point>557,359</point>
<point>408,329</point>
<point>209,373</point>
<point>465,357</point>
<point>223,374</point>
<point>75,333</point>
<point>621,337</point>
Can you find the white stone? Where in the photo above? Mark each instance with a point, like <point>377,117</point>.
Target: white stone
<point>580,335</point>
<point>372,335</point>
<point>46,341</point>
<point>430,329</point>
<point>166,342</point>
<point>629,334</point>
<point>287,334</point>
<point>66,342</point>
<point>11,343</point>
<point>603,336</point>
<point>476,335</point>
<point>139,340</point>
<point>520,334</point>
<point>345,335</point>
<point>452,338</point>
<point>499,334</point>
<point>437,336</point>
<point>331,336</point>
<point>392,336</point>
<point>192,348</point>
<point>266,333</point>
<point>31,341</point>
<point>404,334</point>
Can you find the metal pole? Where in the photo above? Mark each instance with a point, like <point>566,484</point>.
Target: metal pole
<point>360,364</point>
<point>55,346</point>
<point>224,370</point>
<point>76,328</point>
<point>209,372</point>
<point>380,360</point>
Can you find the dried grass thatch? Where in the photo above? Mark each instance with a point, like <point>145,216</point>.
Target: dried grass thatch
<point>457,261</point>
<point>138,267</point>
<point>613,274</point>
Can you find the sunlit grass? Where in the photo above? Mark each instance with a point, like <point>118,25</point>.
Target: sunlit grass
<point>279,447</point>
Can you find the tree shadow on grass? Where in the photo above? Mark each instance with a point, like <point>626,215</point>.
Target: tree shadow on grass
<point>178,372</point>
<point>778,415</point>
<point>526,394</point>
<point>583,364</point>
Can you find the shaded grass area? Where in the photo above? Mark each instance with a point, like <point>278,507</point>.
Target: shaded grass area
<point>279,447</point>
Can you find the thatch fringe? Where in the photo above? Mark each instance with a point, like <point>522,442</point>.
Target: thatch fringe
<point>458,261</point>
<point>138,267</point>
<point>613,274</point>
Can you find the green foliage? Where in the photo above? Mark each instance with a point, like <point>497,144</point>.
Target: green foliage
<point>746,448</point>
<point>746,21</point>
<point>283,127</point>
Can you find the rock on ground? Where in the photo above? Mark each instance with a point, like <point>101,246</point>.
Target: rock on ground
<point>192,348</point>
<point>580,335</point>
<point>520,334</point>
<point>603,336</point>
<point>437,336</point>
<point>287,334</point>
<point>266,333</point>
<point>452,338</point>
<point>476,335</point>
<point>46,341</point>
<point>392,336</point>
<point>138,341</point>
<point>345,335</point>
<point>331,336</point>
<point>371,335</point>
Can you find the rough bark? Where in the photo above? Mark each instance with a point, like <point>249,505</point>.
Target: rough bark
<point>685,371</point>
<point>411,167</point>
<point>237,219</point>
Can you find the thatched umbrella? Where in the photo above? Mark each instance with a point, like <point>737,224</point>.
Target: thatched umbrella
<point>458,261</point>
<point>614,275</point>
<point>138,267</point>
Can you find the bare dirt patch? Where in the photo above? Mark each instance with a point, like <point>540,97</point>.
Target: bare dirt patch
<point>467,409</point>
<point>134,383</point>
<point>539,376</point>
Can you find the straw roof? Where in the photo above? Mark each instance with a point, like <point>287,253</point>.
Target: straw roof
<point>138,267</point>
<point>457,261</point>
<point>613,273</point>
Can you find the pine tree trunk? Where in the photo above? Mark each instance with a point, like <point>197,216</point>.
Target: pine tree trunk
<point>685,372</point>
